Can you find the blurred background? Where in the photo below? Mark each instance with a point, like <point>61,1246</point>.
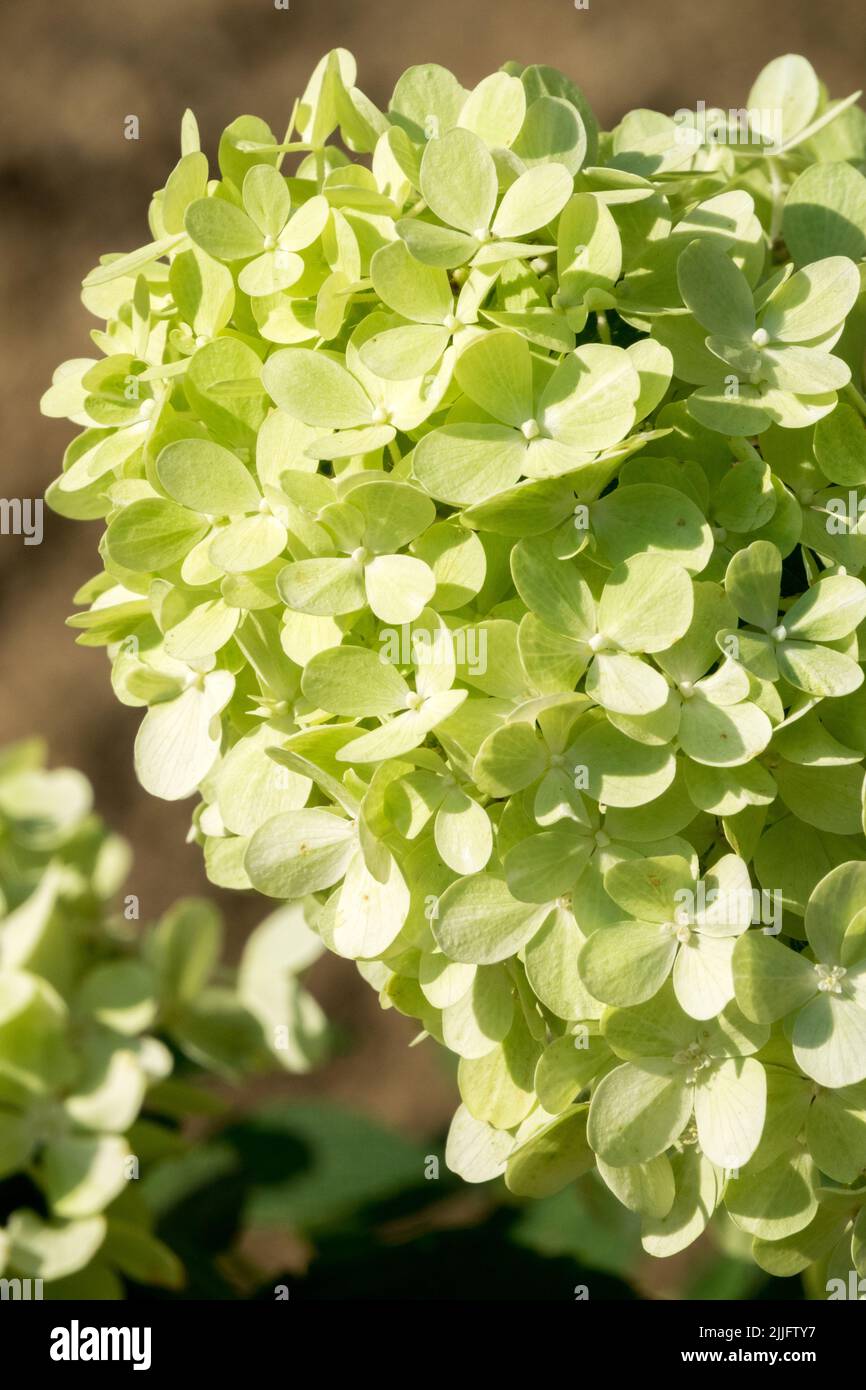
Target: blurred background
<point>72,188</point>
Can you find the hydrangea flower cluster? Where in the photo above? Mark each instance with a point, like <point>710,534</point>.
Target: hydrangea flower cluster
<point>93,1018</point>
<point>485,506</point>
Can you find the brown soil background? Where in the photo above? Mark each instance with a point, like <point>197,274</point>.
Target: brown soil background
<point>72,187</point>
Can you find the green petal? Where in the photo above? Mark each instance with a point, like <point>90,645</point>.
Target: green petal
<point>299,852</point>
<point>511,758</point>
<point>813,302</point>
<point>473,1024</point>
<point>646,1188</point>
<point>627,964</point>
<point>151,535</point>
<point>554,1157</point>
<point>715,291</point>
<point>322,588</point>
<point>770,980</point>
<point>832,908</point>
<point>495,371</point>
<point>730,1105</point>
<point>638,1111</point>
<point>248,544</point>
<point>222,230</point>
<point>497,1088</point>
<point>829,1040</point>
<point>316,389</point>
<point>370,911</point>
<point>836,1133</point>
<point>648,518</point>
<point>468,463</point>
<point>830,609</point>
<point>566,1067</point>
<point>703,978</point>
<point>776,1203</point>
<point>399,587</point>
<point>479,922</point>
<point>416,291</point>
<point>553,589</point>
<point>83,1174</point>
<point>533,200</point>
<point>589,402</point>
<point>543,867</point>
<point>699,1186</point>
<point>354,681</point>
<point>752,582</point>
<point>646,605</point>
<point>551,960</point>
<point>463,833</point>
<point>620,772</point>
<point>723,737</point>
<point>401,354</point>
<point>458,181</point>
<point>475,1151</point>
<point>179,741</point>
<point>494,110</point>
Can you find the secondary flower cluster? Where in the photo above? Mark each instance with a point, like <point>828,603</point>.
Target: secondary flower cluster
<point>93,1019</point>
<point>484,501</point>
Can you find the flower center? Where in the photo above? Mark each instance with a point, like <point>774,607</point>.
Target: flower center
<point>360,556</point>
<point>269,242</point>
<point>381,416</point>
<point>760,337</point>
<point>830,978</point>
<point>681,930</point>
<point>779,633</point>
<point>529,429</point>
<point>695,1059</point>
